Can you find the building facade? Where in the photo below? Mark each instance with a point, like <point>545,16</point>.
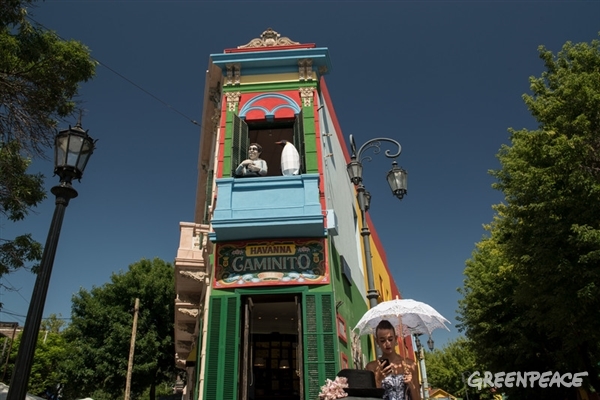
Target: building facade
<point>270,276</point>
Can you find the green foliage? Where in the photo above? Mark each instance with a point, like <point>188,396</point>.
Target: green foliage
<point>531,294</point>
<point>39,77</point>
<point>446,368</point>
<point>19,193</point>
<point>53,324</point>
<point>100,333</point>
<point>50,352</point>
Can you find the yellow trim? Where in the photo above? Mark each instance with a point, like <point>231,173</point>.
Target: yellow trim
<point>192,355</point>
<point>272,78</point>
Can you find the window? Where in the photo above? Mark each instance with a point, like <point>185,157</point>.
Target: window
<point>267,133</point>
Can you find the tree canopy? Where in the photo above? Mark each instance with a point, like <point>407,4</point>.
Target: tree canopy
<point>100,333</point>
<point>447,367</point>
<point>532,292</point>
<point>50,352</point>
<point>39,77</point>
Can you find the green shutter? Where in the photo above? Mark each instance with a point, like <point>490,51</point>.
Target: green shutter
<point>299,140</point>
<point>320,350</point>
<point>208,202</point>
<point>239,146</point>
<point>221,378</point>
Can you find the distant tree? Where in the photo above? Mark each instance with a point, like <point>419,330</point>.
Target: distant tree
<point>532,292</point>
<point>100,333</point>
<point>445,367</point>
<point>50,353</point>
<point>39,77</point>
<point>54,323</point>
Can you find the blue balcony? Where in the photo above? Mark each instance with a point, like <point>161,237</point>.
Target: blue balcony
<point>267,207</point>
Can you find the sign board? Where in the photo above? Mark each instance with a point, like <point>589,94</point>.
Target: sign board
<point>270,263</point>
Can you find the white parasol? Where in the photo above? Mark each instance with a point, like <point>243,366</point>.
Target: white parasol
<point>413,316</point>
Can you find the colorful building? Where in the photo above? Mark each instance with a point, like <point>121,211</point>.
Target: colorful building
<point>270,276</point>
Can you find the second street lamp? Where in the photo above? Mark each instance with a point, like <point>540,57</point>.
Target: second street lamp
<point>422,368</point>
<point>73,147</point>
<point>397,179</point>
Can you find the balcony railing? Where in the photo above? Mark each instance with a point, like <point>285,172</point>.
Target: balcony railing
<point>267,207</point>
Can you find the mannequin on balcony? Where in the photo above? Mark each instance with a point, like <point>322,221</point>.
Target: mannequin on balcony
<point>253,165</point>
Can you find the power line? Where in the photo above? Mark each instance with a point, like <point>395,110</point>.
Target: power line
<point>193,121</point>
<point>14,289</point>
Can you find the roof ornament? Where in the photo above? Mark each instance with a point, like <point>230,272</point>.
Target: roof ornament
<point>269,38</point>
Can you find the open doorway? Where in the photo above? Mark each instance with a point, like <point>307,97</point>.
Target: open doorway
<point>272,352</point>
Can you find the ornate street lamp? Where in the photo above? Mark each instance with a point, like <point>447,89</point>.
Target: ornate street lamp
<point>73,148</point>
<point>421,354</point>
<point>462,374</point>
<point>396,178</point>
<point>430,343</point>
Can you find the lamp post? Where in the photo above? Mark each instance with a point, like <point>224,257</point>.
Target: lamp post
<point>425,383</point>
<point>465,382</point>
<point>396,178</point>
<point>73,147</point>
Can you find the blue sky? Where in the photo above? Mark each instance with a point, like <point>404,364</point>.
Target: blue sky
<point>444,78</point>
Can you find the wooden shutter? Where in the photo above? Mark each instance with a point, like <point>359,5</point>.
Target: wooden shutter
<point>220,371</point>
<point>300,349</point>
<point>320,354</point>
<point>246,349</point>
<point>299,140</point>
<point>239,146</point>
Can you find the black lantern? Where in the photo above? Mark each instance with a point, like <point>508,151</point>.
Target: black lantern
<point>354,169</point>
<point>367,200</point>
<point>397,179</point>
<point>430,343</point>
<point>72,150</point>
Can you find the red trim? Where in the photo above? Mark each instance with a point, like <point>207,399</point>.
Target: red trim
<point>271,48</point>
<point>221,144</point>
<point>342,333</point>
<point>344,364</point>
<point>320,164</point>
<point>334,119</point>
<point>340,137</point>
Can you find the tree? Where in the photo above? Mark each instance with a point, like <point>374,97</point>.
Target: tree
<point>100,333</point>
<point>445,368</point>
<point>51,351</point>
<point>39,77</point>
<point>541,264</point>
<point>19,192</point>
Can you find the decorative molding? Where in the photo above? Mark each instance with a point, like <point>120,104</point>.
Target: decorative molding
<point>233,74</point>
<point>269,38</point>
<point>233,98</point>
<point>215,119</point>
<point>186,327</point>
<point>323,69</point>
<point>180,362</point>
<point>198,276</point>
<point>192,312</point>
<point>187,298</point>
<point>279,100</point>
<point>305,69</point>
<point>185,345</point>
<point>307,96</point>
<point>214,95</point>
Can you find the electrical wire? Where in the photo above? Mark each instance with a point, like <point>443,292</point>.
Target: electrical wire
<point>193,121</point>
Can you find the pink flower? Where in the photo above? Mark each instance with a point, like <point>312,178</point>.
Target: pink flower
<point>334,389</point>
